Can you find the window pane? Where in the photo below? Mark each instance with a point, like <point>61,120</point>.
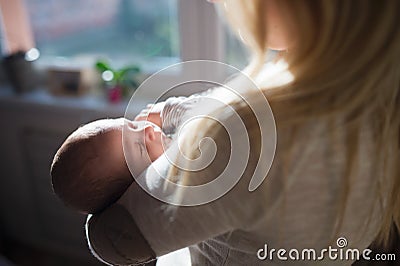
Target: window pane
<point>236,53</point>
<point>126,31</point>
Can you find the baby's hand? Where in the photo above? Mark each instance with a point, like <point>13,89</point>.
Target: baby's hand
<point>151,113</point>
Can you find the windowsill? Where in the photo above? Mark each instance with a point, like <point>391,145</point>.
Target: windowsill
<point>148,67</point>
<point>42,98</point>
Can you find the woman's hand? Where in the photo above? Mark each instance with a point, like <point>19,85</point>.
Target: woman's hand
<point>151,113</point>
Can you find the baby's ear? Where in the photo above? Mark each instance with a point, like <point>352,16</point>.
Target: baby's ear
<point>149,133</point>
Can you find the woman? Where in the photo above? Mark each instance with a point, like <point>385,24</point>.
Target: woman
<point>334,182</point>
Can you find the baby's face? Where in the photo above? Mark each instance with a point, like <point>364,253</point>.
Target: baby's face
<point>143,144</point>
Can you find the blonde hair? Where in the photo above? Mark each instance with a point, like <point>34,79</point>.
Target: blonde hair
<point>345,61</point>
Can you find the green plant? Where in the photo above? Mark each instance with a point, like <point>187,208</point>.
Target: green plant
<point>125,78</point>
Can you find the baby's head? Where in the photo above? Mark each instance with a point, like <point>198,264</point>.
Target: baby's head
<point>89,171</point>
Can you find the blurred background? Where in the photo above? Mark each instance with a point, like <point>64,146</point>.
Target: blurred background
<point>65,63</point>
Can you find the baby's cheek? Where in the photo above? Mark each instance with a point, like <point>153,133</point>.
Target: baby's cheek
<point>157,147</point>
<point>155,151</point>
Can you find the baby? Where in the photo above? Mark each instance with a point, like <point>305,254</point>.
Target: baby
<point>89,171</point>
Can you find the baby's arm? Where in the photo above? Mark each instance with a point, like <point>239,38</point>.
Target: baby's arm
<point>151,113</point>
<point>173,112</point>
<point>168,115</point>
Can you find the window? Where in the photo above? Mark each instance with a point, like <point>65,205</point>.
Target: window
<point>148,33</point>
<point>126,31</point>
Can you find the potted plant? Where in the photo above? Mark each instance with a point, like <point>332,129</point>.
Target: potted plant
<point>119,83</point>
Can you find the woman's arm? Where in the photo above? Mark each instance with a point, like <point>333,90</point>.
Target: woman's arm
<point>151,227</point>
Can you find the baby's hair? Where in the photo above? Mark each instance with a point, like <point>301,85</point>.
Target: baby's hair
<point>79,174</point>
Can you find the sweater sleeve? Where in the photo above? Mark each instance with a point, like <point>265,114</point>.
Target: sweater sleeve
<point>167,226</point>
